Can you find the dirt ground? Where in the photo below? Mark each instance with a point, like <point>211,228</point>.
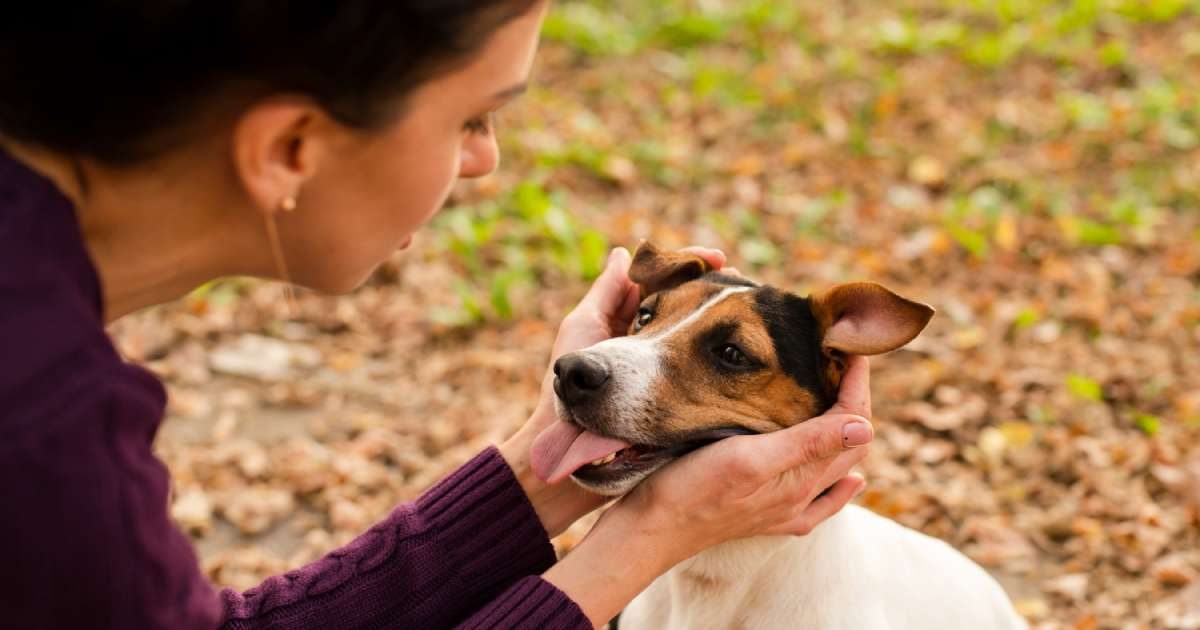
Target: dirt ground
<point>1044,201</point>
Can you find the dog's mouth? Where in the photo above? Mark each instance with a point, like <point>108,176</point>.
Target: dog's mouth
<point>644,458</point>
<point>625,462</point>
<point>601,461</point>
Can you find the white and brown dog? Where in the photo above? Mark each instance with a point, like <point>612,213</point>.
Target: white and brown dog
<point>709,356</point>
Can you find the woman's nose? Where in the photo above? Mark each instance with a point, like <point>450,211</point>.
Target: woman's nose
<point>480,156</point>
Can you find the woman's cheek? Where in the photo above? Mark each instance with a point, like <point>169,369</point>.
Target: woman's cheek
<point>432,190</point>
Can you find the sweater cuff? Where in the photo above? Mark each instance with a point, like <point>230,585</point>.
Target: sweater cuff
<point>486,525</point>
<point>531,603</point>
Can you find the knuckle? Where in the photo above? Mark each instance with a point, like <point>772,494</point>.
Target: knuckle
<point>745,462</point>
<point>798,494</point>
<point>745,467</point>
<point>819,445</point>
<point>756,465</point>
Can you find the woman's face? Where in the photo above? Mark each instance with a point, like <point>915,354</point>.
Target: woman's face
<point>372,190</point>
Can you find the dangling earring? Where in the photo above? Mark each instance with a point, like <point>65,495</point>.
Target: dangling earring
<point>287,204</point>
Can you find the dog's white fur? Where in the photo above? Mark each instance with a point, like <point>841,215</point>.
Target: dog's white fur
<point>855,571</point>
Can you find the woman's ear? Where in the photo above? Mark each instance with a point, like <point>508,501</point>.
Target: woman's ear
<point>866,318</point>
<point>654,270</point>
<point>276,146</point>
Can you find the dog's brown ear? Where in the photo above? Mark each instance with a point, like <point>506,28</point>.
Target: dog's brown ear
<point>866,318</point>
<point>655,270</point>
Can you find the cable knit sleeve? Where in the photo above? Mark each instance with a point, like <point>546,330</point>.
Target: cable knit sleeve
<point>430,564</point>
<point>530,603</point>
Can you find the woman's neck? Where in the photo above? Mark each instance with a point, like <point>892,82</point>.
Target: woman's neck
<point>153,232</point>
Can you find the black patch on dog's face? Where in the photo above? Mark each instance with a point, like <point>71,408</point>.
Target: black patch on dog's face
<point>797,338</point>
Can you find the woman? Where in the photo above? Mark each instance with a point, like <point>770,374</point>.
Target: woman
<point>150,147</point>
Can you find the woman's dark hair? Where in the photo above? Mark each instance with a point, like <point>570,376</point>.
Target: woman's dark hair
<point>118,80</point>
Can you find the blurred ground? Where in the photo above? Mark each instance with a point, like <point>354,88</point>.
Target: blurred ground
<point>1030,168</point>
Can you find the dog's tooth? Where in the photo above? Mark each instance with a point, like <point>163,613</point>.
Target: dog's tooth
<point>605,460</point>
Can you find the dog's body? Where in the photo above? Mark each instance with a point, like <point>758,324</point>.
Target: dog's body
<point>710,356</point>
<point>856,571</point>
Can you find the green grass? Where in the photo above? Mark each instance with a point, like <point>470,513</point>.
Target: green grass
<point>508,245</point>
<point>1085,388</point>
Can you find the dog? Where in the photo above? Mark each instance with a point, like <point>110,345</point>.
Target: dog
<point>712,355</point>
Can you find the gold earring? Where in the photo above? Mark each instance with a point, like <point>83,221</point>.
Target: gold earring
<point>280,261</point>
<point>288,203</point>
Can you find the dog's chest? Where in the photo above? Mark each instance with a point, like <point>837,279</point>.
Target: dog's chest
<point>856,571</point>
<point>751,584</point>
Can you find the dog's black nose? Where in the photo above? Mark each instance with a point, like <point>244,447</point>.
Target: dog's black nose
<point>578,378</point>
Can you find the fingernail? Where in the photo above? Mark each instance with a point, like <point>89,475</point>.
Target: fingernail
<point>857,434</point>
<point>615,254</point>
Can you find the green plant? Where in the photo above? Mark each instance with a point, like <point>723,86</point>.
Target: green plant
<point>505,247</point>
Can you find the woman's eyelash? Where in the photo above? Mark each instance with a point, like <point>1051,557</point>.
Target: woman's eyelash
<point>481,124</point>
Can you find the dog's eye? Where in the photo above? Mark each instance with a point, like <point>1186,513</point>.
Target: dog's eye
<point>644,315</point>
<point>733,355</point>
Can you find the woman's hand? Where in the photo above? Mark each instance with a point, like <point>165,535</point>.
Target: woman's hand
<point>605,312</point>
<point>786,482</point>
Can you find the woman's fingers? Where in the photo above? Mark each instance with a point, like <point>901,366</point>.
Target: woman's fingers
<point>714,257</point>
<point>854,394</point>
<point>802,483</point>
<point>629,307</point>
<point>837,468</point>
<point>609,290</point>
<point>614,298</point>
<point>811,442</point>
<point>612,289</point>
<point>823,506</point>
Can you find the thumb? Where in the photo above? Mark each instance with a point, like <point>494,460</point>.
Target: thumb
<point>609,291</point>
<point>814,441</point>
<point>854,393</point>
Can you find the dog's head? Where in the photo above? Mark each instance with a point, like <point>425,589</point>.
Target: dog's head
<point>708,356</point>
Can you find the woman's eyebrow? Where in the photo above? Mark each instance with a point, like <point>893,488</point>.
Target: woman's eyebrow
<point>511,92</point>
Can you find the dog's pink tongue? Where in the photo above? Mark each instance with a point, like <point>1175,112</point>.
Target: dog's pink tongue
<point>563,448</point>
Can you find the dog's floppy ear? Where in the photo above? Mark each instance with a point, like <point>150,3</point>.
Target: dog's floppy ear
<point>866,318</point>
<point>655,270</point>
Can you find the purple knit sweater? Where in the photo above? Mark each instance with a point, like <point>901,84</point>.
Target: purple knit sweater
<point>85,536</point>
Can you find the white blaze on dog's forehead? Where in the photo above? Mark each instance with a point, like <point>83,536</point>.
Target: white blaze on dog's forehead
<point>644,346</point>
<point>698,313</point>
<point>634,364</point>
